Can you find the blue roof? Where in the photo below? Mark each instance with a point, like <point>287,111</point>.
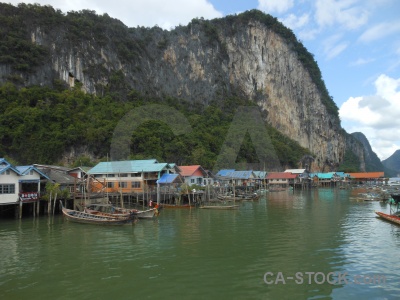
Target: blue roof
<point>5,165</point>
<point>232,174</point>
<point>240,174</point>
<point>167,178</point>
<point>129,166</point>
<point>328,175</point>
<point>224,172</point>
<point>322,175</point>
<point>23,170</point>
<point>341,174</point>
<point>260,174</point>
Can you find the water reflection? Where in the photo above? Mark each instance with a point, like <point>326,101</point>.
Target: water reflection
<point>206,253</point>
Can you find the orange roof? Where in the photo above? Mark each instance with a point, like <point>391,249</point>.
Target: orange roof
<point>366,175</point>
<point>189,170</point>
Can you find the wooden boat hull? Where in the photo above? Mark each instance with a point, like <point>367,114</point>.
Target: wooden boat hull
<point>146,214</point>
<point>88,218</point>
<point>121,216</point>
<point>220,207</point>
<point>176,206</point>
<point>118,212</point>
<point>391,218</point>
<point>238,198</point>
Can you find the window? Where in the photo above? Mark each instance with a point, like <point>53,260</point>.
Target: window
<point>7,188</point>
<point>123,175</point>
<point>7,172</point>
<point>31,172</point>
<point>110,175</point>
<point>136,175</point>
<point>191,180</point>
<point>110,184</point>
<point>136,184</point>
<point>98,175</point>
<point>123,185</point>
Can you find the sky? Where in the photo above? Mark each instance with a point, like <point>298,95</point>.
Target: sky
<point>356,44</point>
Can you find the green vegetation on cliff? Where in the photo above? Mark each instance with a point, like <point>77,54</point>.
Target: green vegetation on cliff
<point>350,164</point>
<point>39,125</point>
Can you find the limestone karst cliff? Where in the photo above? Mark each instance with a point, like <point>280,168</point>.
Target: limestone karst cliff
<point>250,55</point>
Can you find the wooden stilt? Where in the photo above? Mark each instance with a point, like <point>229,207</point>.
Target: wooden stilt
<point>20,209</point>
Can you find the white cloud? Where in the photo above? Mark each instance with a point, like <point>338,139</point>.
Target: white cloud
<point>377,116</point>
<point>362,61</point>
<point>293,22</point>
<point>380,31</point>
<point>333,46</point>
<point>308,34</point>
<point>275,6</point>
<point>350,14</point>
<point>364,115</point>
<point>165,14</point>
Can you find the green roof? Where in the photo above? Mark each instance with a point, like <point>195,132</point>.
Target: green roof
<point>129,166</point>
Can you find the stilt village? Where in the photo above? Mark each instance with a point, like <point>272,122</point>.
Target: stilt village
<point>37,189</point>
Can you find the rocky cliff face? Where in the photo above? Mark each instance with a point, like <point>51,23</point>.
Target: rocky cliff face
<point>235,56</point>
<point>392,164</point>
<point>372,161</point>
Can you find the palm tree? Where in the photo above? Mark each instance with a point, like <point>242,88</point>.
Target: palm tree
<point>52,189</point>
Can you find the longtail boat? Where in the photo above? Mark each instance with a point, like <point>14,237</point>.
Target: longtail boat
<point>88,218</point>
<point>177,205</point>
<point>220,207</point>
<point>391,218</point>
<point>110,210</point>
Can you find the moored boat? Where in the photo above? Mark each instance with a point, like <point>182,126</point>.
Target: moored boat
<point>163,205</point>
<point>97,219</point>
<point>220,207</point>
<point>148,213</point>
<point>110,210</point>
<point>392,218</point>
<point>239,197</point>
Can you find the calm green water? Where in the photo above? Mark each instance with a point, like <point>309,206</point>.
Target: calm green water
<point>205,254</point>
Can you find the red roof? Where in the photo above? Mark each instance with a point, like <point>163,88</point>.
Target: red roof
<point>281,175</point>
<point>190,170</point>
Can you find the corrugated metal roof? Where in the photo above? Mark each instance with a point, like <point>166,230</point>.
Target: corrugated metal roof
<point>325,175</point>
<point>260,174</point>
<point>23,170</point>
<point>232,174</point>
<point>224,172</point>
<point>341,174</point>
<point>82,168</point>
<point>190,170</point>
<point>295,171</point>
<point>241,174</point>
<point>128,166</point>
<point>281,175</point>
<point>5,165</point>
<point>168,178</point>
<point>59,177</point>
<point>328,175</point>
<point>367,175</point>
